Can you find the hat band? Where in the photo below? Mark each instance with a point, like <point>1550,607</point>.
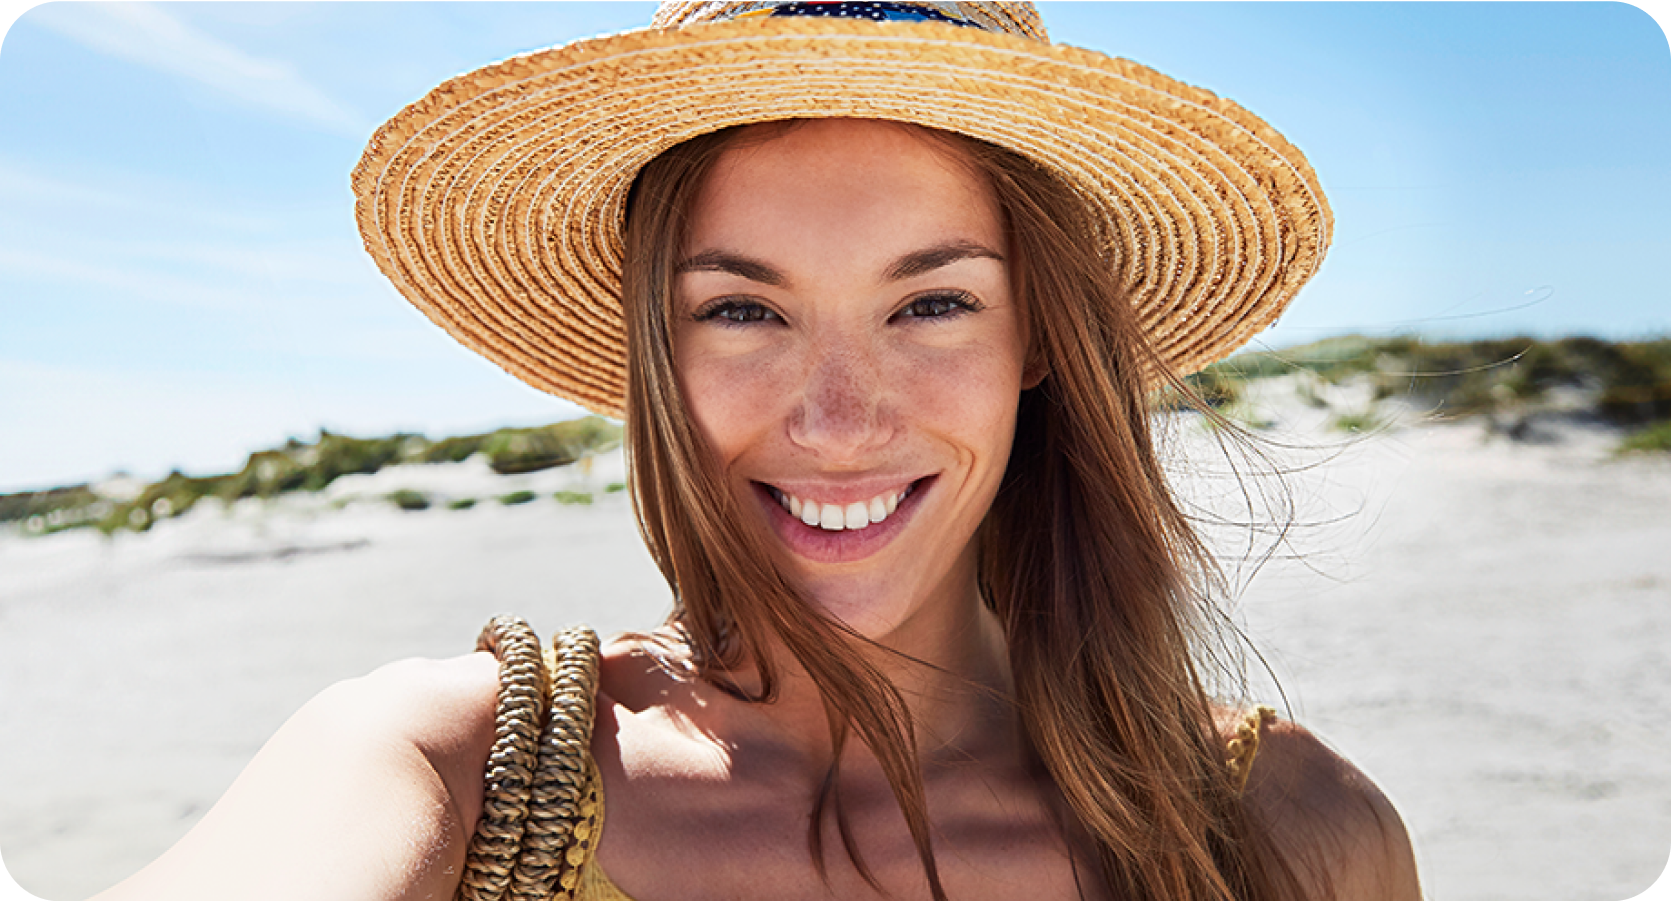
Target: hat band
<point>875,12</point>
<point>1015,19</point>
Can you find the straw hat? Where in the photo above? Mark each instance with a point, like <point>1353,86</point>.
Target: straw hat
<point>495,203</point>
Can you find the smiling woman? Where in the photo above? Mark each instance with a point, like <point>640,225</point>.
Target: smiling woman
<point>884,291</point>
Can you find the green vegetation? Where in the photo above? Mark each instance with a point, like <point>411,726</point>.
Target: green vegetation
<point>512,451</point>
<point>1652,438</point>
<point>1216,386</point>
<point>1217,389</point>
<point>516,497</point>
<point>407,499</point>
<point>573,497</point>
<point>1625,384</point>
<point>54,510</point>
<point>1629,381</point>
<point>1357,422</point>
<point>463,503</point>
<point>311,466</point>
<point>614,487</point>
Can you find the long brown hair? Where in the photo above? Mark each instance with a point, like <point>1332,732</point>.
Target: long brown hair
<point>1101,588</point>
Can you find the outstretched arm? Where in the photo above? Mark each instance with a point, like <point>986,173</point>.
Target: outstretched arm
<point>370,791</point>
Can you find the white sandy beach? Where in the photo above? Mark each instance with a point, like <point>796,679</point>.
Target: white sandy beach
<point>1486,631</point>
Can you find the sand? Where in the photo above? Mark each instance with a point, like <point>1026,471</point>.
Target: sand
<point>1484,626</point>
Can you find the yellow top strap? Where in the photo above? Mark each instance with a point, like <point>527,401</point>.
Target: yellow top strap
<point>1245,745</point>
<point>593,884</point>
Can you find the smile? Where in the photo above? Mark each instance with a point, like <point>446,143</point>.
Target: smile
<point>836,517</point>
<point>836,525</point>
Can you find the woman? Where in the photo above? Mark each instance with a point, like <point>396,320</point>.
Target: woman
<point>883,291</point>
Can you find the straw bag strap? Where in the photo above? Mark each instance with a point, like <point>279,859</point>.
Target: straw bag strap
<point>539,808</point>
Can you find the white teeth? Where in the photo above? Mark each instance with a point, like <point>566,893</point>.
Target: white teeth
<point>836,517</point>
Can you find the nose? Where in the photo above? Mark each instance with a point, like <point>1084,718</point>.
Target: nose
<point>843,414</point>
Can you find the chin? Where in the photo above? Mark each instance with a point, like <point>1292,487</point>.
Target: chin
<point>881,605</point>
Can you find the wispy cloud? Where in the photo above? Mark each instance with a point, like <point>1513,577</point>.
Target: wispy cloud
<point>159,240</point>
<point>117,200</point>
<point>121,281</point>
<point>145,35</point>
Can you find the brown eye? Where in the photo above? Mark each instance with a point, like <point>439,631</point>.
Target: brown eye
<point>940,306</point>
<point>735,312</point>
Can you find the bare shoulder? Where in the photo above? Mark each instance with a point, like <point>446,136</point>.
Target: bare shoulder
<point>1335,825</point>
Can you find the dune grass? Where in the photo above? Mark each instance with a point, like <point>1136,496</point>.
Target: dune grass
<point>310,466</point>
<point>1627,383</point>
<point>409,500</point>
<point>1654,438</point>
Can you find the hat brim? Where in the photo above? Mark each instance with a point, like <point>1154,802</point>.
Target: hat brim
<point>495,203</point>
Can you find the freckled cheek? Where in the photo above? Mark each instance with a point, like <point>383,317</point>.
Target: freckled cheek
<point>734,398</point>
<point>968,395</point>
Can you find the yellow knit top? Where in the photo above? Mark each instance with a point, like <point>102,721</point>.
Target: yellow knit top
<point>594,884</point>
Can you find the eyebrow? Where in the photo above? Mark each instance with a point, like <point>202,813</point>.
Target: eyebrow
<point>732,263</point>
<point>924,261</point>
<point>911,265</point>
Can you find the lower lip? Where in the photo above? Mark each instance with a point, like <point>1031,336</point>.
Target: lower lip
<point>825,546</point>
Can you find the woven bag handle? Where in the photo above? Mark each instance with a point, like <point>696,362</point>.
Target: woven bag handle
<point>537,816</point>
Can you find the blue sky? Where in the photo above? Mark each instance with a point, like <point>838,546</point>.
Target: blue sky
<point>181,281</point>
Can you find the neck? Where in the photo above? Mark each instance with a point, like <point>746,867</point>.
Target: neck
<point>950,666</point>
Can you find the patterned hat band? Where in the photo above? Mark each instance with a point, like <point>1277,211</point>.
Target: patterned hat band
<point>1001,18</point>
<point>496,203</point>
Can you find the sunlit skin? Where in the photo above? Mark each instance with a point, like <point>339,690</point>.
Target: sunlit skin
<point>844,328</point>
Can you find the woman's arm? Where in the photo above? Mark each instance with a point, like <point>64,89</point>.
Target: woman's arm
<point>370,791</point>
<point>1339,832</point>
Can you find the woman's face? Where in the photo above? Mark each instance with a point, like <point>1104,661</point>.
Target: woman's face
<point>845,334</point>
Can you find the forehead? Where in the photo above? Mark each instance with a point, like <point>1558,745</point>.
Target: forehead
<point>861,186</point>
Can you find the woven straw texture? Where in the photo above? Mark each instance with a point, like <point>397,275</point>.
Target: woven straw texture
<point>495,203</point>
<point>540,807</point>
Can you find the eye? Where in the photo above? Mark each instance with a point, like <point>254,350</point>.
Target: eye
<point>735,311</point>
<point>940,305</point>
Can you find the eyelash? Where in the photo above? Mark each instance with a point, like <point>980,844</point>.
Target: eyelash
<point>746,312</point>
<point>739,312</point>
<point>959,303</point>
